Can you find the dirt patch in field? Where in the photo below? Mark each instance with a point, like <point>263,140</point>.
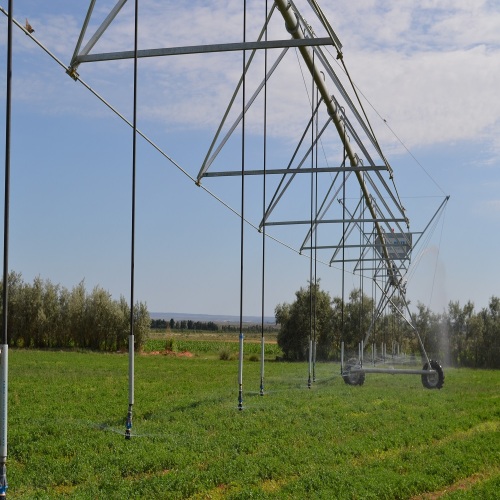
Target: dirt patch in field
<point>167,352</point>
<point>464,485</point>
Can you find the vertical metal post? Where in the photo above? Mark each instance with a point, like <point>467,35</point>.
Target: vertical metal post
<point>362,349</point>
<point>310,362</point>
<point>240,374</point>
<point>4,365</point>
<point>314,146</point>
<point>342,357</point>
<point>242,226</point>
<point>315,344</point>
<point>311,288</point>
<point>4,379</point>
<point>262,343</point>
<point>262,353</point>
<point>131,338</point>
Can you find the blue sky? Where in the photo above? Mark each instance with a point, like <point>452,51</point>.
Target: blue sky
<point>429,69</point>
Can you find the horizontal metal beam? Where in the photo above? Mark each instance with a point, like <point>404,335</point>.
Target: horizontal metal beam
<point>364,259</point>
<point>377,275</point>
<point>307,170</point>
<point>334,247</point>
<point>338,261</point>
<point>202,49</point>
<point>330,221</point>
<point>392,371</point>
<point>331,247</point>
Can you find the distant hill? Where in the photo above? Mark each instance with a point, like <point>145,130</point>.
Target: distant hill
<point>216,318</point>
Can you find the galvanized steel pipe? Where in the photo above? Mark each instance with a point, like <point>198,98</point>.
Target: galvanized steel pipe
<point>293,27</point>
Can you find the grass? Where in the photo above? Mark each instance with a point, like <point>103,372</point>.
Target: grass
<point>210,345</point>
<point>390,438</point>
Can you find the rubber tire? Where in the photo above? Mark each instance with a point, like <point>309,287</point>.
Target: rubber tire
<point>436,380</point>
<point>357,378</point>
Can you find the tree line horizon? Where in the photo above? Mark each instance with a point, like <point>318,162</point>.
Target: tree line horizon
<point>207,326</point>
<point>45,315</point>
<point>458,337</point>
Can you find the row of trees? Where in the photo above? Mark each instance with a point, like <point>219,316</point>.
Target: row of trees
<point>457,337</point>
<point>248,328</point>
<point>45,315</point>
<point>163,324</point>
<point>208,326</point>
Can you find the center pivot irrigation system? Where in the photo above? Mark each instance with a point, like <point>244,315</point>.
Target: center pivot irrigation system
<point>371,229</point>
<point>354,218</point>
<point>357,218</point>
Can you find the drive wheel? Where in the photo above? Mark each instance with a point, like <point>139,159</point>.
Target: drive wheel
<point>433,380</point>
<point>353,378</point>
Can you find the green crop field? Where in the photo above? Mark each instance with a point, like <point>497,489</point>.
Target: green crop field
<point>390,438</point>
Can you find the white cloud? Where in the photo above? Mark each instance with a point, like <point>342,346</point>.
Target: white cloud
<point>433,97</point>
<point>489,208</point>
<point>429,68</point>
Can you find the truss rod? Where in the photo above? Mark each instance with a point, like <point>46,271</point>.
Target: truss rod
<point>95,38</point>
<point>325,205</point>
<point>201,49</point>
<point>293,26</point>
<point>209,157</point>
<point>329,69</point>
<point>327,221</point>
<point>83,31</point>
<point>307,170</point>
<point>330,247</point>
<point>443,203</point>
<point>346,229</point>
<point>354,260</point>
<point>350,227</point>
<point>280,189</point>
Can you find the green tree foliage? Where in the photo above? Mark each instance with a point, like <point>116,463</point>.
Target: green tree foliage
<point>353,318</point>
<point>391,329</point>
<point>491,333</point>
<point>459,336</point>
<point>44,315</point>
<point>160,324</point>
<point>474,338</point>
<point>315,315</point>
<point>310,316</point>
<point>459,329</point>
<point>427,325</point>
<point>209,326</point>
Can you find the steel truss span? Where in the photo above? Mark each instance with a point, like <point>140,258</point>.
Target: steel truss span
<point>358,220</point>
